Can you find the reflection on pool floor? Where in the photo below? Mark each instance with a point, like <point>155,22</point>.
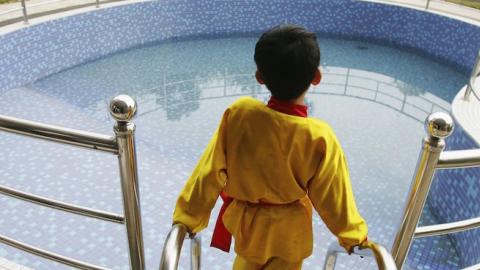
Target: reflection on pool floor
<point>182,89</point>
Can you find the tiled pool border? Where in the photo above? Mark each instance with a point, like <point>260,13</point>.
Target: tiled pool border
<point>43,49</point>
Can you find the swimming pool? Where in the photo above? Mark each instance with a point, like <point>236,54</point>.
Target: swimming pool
<point>371,94</point>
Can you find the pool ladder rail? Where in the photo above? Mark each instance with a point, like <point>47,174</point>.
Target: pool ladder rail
<point>122,109</point>
<point>173,247</point>
<point>175,238</point>
<point>474,76</point>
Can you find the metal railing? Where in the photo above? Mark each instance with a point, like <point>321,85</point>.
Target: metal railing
<point>122,109</point>
<point>448,8</point>
<point>173,247</point>
<point>439,126</point>
<point>473,77</point>
<point>24,7</point>
<point>174,242</point>
<point>382,257</point>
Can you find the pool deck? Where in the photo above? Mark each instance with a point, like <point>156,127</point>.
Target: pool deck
<point>13,21</point>
<point>53,9</point>
<point>440,7</point>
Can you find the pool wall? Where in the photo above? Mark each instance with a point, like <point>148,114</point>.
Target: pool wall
<point>43,49</point>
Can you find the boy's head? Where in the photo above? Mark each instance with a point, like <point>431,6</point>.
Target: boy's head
<point>287,59</point>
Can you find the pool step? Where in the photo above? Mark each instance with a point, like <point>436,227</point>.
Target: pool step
<point>9,265</point>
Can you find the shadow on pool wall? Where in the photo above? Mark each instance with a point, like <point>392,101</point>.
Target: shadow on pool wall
<point>40,50</point>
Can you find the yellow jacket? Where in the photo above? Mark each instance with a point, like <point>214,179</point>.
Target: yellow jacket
<point>261,155</point>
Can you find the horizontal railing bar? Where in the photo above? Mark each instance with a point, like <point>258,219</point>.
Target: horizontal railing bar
<point>84,211</point>
<point>459,159</point>
<point>10,11</point>
<point>49,255</point>
<point>446,228</point>
<point>43,3</point>
<point>59,134</point>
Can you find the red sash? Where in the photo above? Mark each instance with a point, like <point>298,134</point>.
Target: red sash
<point>222,238</point>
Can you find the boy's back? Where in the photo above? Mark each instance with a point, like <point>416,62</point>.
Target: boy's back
<point>271,163</point>
<point>268,161</point>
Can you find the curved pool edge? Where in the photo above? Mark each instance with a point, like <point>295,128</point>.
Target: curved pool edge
<point>49,47</point>
<point>467,114</point>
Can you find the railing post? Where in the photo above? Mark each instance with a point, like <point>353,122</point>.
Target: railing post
<point>428,4</point>
<point>195,252</point>
<point>172,247</point>
<point>330,260</point>
<point>123,108</point>
<point>97,2</point>
<point>473,77</point>
<point>24,10</point>
<point>439,126</point>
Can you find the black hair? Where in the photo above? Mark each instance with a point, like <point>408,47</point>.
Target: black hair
<point>287,57</point>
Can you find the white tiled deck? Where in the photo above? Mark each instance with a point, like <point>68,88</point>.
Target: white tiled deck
<point>467,112</point>
<point>441,7</point>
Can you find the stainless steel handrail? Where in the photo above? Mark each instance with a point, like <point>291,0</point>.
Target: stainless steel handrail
<point>24,8</point>
<point>195,252</point>
<point>439,126</point>
<point>446,228</point>
<point>382,257</point>
<point>473,77</point>
<point>67,207</point>
<point>459,159</point>
<point>59,134</point>
<point>49,255</point>
<point>122,109</point>
<point>173,246</point>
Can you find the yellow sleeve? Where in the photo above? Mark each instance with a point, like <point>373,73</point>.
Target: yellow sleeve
<point>331,194</point>
<point>202,189</point>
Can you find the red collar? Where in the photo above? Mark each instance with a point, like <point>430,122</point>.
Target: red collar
<point>287,107</point>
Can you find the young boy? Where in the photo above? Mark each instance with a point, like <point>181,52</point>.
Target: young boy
<point>270,163</point>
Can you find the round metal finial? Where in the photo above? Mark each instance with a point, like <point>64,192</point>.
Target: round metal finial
<point>123,108</point>
<point>439,125</point>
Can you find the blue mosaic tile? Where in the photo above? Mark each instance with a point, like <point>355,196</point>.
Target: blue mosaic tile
<point>46,48</point>
<point>454,197</point>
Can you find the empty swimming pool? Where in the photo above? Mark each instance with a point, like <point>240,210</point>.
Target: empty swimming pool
<point>375,97</point>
